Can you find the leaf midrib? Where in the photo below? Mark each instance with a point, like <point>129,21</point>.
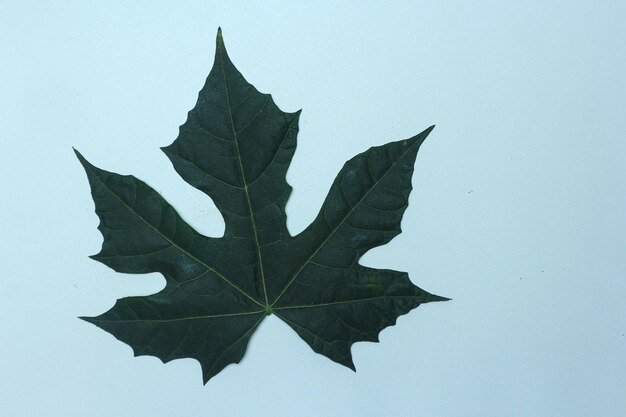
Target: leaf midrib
<point>341,223</point>
<point>358,300</point>
<point>215,316</point>
<point>243,177</point>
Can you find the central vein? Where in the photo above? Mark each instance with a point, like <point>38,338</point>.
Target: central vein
<point>245,186</point>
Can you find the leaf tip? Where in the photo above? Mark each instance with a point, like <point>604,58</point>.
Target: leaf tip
<point>207,374</point>
<point>219,39</point>
<point>419,138</point>
<point>427,131</point>
<point>437,298</point>
<point>348,362</point>
<point>78,154</point>
<point>84,162</point>
<point>87,319</point>
<point>166,149</point>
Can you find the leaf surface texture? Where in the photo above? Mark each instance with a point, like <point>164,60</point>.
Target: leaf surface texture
<point>236,147</point>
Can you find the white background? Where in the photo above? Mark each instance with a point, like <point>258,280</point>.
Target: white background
<point>518,209</point>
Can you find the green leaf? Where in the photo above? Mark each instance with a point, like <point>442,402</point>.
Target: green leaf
<point>236,147</point>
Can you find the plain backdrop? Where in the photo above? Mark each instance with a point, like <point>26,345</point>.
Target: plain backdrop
<point>517,214</point>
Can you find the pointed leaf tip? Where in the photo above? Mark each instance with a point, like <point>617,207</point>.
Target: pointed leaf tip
<point>219,39</point>
<point>85,163</point>
<point>87,319</point>
<point>88,166</point>
<point>421,137</point>
<point>427,131</point>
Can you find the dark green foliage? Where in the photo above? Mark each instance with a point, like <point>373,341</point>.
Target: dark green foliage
<point>236,146</point>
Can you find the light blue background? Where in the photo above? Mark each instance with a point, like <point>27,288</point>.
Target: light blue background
<point>518,209</point>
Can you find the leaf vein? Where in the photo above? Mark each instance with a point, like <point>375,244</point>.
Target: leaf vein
<point>178,246</point>
<point>338,226</point>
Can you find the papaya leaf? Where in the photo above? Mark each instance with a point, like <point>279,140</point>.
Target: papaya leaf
<point>236,146</point>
